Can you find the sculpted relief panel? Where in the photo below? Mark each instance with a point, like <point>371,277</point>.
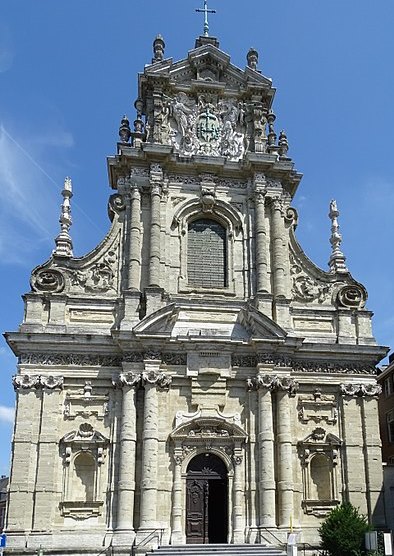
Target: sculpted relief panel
<point>208,126</point>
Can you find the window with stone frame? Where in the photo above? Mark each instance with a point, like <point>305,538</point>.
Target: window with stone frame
<point>84,452</point>
<point>318,453</point>
<point>207,254</point>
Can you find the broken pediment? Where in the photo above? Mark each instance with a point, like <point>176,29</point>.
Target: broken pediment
<point>210,322</point>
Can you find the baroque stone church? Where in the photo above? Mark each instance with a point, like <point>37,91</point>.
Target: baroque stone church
<point>194,379</point>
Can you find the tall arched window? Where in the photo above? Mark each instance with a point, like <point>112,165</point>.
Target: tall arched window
<point>207,254</point>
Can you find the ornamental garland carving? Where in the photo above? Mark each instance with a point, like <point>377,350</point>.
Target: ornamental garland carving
<point>302,366</point>
<point>360,390</point>
<point>47,280</point>
<point>25,382</point>
<point>273,383</point>
<point>136,380</point>
<point>209,127</point>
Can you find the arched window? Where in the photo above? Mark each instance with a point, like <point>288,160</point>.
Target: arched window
<point>207,254</point>
<point>84,477</point>
<point>320,478</point>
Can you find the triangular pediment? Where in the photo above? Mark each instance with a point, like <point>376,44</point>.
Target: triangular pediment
<point>206,65</point>
<point>214,322</point>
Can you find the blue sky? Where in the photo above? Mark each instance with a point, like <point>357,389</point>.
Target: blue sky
<point>68,73</point>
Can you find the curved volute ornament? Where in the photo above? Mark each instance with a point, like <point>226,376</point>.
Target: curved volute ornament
<point>47,280</point>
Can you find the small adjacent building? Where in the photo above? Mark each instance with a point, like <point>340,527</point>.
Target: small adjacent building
<point>3,500</point>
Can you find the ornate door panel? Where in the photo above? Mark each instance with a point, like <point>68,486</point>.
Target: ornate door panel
<point>197,511</point>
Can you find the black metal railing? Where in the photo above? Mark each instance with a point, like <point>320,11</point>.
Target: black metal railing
<point>156,533</point>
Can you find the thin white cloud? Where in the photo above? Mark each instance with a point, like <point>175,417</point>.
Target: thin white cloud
<point>6,49</point>
<point>7,414</point>
<point>29,202</point>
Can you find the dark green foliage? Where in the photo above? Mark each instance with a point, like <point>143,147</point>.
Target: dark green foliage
<point>342,532</point>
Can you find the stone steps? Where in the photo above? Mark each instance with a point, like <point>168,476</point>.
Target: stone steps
<point>218,550</point>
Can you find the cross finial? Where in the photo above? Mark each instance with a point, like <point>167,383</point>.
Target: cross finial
<point>206,11</point>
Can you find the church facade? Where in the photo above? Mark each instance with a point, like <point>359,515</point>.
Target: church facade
<point>195,378</point>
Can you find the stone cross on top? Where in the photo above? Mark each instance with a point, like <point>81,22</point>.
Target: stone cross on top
<point>205,11</point>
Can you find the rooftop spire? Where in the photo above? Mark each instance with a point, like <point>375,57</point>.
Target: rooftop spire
<point>337,259</point>
<point>64,244</point>
<point>206,11</point>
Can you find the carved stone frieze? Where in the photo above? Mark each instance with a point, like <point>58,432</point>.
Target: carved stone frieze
<point>133,357</point>
<point>47,280</point>
<point>50,382</point>
<point>239,360</point>
<point>174,358</point>
<point>360,390</point>
<point>75,359</point>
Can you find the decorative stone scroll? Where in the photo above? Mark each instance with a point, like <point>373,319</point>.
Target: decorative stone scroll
<point>352,296</point>
<point>360,390</point>
<point>47,280</point>
<point>25,382</point>
<point>306,289</point>
<point>273,382</point>
<point>101,277</point>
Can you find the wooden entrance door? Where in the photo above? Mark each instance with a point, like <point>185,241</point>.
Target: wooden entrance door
<point>206,500</point>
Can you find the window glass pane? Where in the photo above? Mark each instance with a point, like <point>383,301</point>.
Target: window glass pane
<point>206,254</point>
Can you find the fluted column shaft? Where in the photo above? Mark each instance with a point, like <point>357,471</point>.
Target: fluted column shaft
<point>134,254</point>
<point>285,471</point>
<point>278,249</point>
<point>149,458</point>
<point>154,256</point>
<point>266,459</point>
<point>126,483</point>
<point>262,278</point>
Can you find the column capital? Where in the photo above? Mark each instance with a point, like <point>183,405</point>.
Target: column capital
<point>157,378</point>
<point>127,379</point>
<point>273,383</point>
<point>26,382</point>
<point>360,390</point>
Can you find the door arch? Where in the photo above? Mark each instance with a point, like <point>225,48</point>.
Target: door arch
<point>206,500</point>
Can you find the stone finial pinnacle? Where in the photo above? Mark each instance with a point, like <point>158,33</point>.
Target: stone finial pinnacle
<point>158,49</point>
<point>124,130</point>
<point>252,58</point>
<point>64,245</point>
<point>337,258</point>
